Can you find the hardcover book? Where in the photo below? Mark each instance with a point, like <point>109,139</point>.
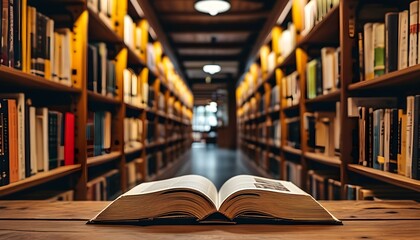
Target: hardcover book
<point>194,199</point>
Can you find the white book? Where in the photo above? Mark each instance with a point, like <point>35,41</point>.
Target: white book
<point>412,54</point>
<point>33,140</point>
<point>128,31</point>
<point>410,134</point>
<point>135,90</point>
<point>20,104</point>
<point>310,17</point>
<point>42,139</point>
<point>368,50</point>
<point>403,40</point>
<point>66,56</point>
<point>57,57</point>
<point>328,68</point>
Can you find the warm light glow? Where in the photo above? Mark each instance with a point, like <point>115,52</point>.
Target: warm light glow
<point>212,7</point>
<point>211,68</point>
<point>208,79</point>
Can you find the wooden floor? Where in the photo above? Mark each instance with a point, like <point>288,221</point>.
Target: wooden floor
<point>214,163</point>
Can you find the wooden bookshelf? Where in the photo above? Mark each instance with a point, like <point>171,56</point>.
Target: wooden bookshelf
<point>292,150</point>
<point>322,158</point>
<point>99,98</point>
<point>101,159</point>
<point>88,26</point>
<point>39,178</point>
<point>330,97</point>
<point>13,79</point>
<point>387,177</point>
<point>325,33</point>
<point>334,30</point>
<point>408,77</point>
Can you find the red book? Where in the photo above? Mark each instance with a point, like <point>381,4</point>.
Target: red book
<point>69,139</point>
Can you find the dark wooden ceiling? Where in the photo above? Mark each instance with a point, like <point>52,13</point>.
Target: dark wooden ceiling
<point>227,39</point>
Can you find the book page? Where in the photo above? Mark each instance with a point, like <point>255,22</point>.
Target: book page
<point>195,182</point>
<point>248,182</point>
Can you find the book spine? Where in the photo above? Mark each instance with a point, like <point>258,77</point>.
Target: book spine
<point>379,49</point>
<point>416,141</point>
<point>69,139</point>
<point>391,42</point>
<point>33,37</point>
<point>369,138</point>
<point>412,59</point>
<point>319,79</point>
<point>393,146</point>
<point>28,146</point>
<point>409,133</point>
<point>52,140</point>
<point>13,142</point>
<point>17,34</point>
<point>4,33</point>
<point>368,51</point>
<point>10,37</point>
<point>403,40</point>
<point>4,171</point>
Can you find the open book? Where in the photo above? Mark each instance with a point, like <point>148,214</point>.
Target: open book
<point>242,198</point>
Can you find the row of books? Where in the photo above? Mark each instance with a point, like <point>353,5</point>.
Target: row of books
<point>390,45</point>
<point>323,74</point>
<point>104,188</point>
<point>33,139</point>
<point>136,35</point>
<point>98,133</point>
<point>154,162</point>
<point>252,79</point>
<point>134,171</point>
<point>313,12</point>
<point>49,50</point>
<point>150,132</point>
<point>389,136</point>
<point>323,131</point>
<point>106,10</point>
<point>101,70</point>
<point>324,185</point>
<point>268,60</point>
<point>291,89</point>
<point>133,132</point>
<point>136,87</point>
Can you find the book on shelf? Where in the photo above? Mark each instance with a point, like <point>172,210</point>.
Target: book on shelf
<point>200,202</point>
<point>101,70</point>
<point>388,135</point>
<point>291,89</point>
<point>313,12</point>
<point>287,41</point>
<point>133,132</point>
<point>293,173</point>
<point>413,45</point>
<point>98,133</point>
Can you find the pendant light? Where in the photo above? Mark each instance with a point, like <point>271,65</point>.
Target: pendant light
<point>212,7</point>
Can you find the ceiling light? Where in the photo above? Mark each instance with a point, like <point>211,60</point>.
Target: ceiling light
<point>212,7</point>
<point>211,68</point>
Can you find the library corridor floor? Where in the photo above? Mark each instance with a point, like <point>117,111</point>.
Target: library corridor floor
<point>214,163</point>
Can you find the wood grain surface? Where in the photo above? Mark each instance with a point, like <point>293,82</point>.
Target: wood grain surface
<point>67,220</point>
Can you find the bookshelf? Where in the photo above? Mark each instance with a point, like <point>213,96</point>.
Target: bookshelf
<point>333,30</point>
<point>90,26</point>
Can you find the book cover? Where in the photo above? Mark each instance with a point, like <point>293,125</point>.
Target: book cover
<point>416,141</point>
<point>13,141</point>
<point>4,155</point>
<point>403,40</point>
<point>69,124</point>
<point>412,54</point>
<point>378,30</point>
<point>391,41</point>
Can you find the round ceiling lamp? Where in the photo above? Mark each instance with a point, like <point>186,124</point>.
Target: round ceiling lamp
<point>212,7</point>
<point>212,68</point>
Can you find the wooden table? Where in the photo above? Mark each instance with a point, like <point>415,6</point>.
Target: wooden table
<point>66,220</point>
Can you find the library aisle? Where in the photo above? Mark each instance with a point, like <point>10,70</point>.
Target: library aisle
<point>208,160</point>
